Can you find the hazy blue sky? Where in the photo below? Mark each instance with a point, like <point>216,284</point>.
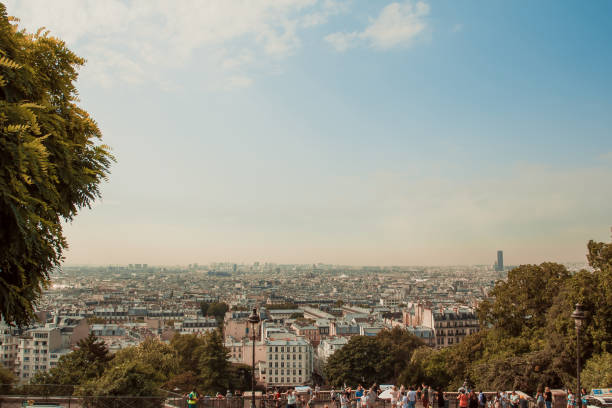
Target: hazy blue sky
<point>353,132</point>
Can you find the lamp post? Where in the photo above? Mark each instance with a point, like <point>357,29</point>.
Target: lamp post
<point>253,319</point>
<point>579,316</point>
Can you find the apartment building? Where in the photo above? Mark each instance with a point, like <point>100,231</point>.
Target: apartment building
<point>450,325</point>
<point>8,345</point>
<point>199,326</point>
<point>290,362</point>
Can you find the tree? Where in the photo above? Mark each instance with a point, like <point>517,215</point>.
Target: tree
<point>187,347</point>
<point>597,371</point>
<point>359,361</point>
<point>240,376</point>
<point>519,302</point>
<point>204,308</point>
<point>152,352</point>
<point>214,363</point>
<point>86,363</point>
<point>399,346</point>
<point>131,378</point>
<point>7,379</point>
<point>51,162</point>
<point>218,310</point>
<point>182,383</point>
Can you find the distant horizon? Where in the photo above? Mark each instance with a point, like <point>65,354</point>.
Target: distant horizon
<point>318,263</point>
<point>350,132</point>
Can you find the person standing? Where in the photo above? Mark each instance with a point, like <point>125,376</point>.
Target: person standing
<point>571,400</point>
<point>540,399</point>
<point>463,399</point>
<point>344,400</point>
<point>394,395</point>
<point>482,400</point>
<point>497,401</point>
<point>514,399</point>
<point>473,400</point>
<point>291,399</point>
<point>371,397</point>
<point>192,398</point>
<point>412,397</point>
<point>548,397</point>
<point>359,395</point>
<point>425,396</point>
<point>440,398</point>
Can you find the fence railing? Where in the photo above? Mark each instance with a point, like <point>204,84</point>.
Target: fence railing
<point>64,396</point>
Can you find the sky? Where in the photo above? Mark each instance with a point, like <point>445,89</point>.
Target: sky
<point>359,132</point>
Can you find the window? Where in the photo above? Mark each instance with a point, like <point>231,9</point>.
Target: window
<point>276,365</point>
<point>282,349</point>
<point>270,364</point>
<point>300,373</point>
<point>282,364</point>
<point>282,372</point>
<point>270,349</point>
<point>300,356</point>
<point>276,349</point>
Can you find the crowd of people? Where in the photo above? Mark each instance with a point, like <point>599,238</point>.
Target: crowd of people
<point>397,397</point>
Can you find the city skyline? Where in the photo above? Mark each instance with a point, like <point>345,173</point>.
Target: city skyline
<point>342,132</point>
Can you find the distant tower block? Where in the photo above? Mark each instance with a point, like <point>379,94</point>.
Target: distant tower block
<point>499,266</point>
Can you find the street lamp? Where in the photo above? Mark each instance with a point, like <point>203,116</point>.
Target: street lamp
<point>579,317</point>
<point>253,319</point>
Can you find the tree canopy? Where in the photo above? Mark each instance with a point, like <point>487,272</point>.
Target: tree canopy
<point>51,162</point>
<point>529,339</point>
<point>366,360</point>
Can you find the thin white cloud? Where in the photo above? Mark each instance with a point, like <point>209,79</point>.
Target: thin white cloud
<point>457,28</point>
<point>138,41</point>
<point>398,24</point>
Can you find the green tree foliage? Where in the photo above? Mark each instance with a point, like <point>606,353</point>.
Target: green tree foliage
<point>136,371</point>
<point>151,352</point>
<point>204,308</point>
<point>213,363</point>
<point>282,306</point>
<point>399,345</point>
<point>597,372</point>
<point>7,379</point>
<point>128,378</point>
<point>529,339</point>
<point>187,347</point>
<point>521,302</point>
<point>182,383</point>
<point>240,377</point>
<point>366,360</point>
<point>86,363</point>
<point>51,162</point>
<point>218,310</point>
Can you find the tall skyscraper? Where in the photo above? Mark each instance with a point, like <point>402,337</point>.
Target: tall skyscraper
<point>499,266</point>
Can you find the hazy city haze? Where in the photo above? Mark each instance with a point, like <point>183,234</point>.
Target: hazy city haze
<point>351,132</point>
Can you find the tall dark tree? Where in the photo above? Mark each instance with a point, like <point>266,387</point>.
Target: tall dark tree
<point>214,363</point>
<point>51,162</point>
